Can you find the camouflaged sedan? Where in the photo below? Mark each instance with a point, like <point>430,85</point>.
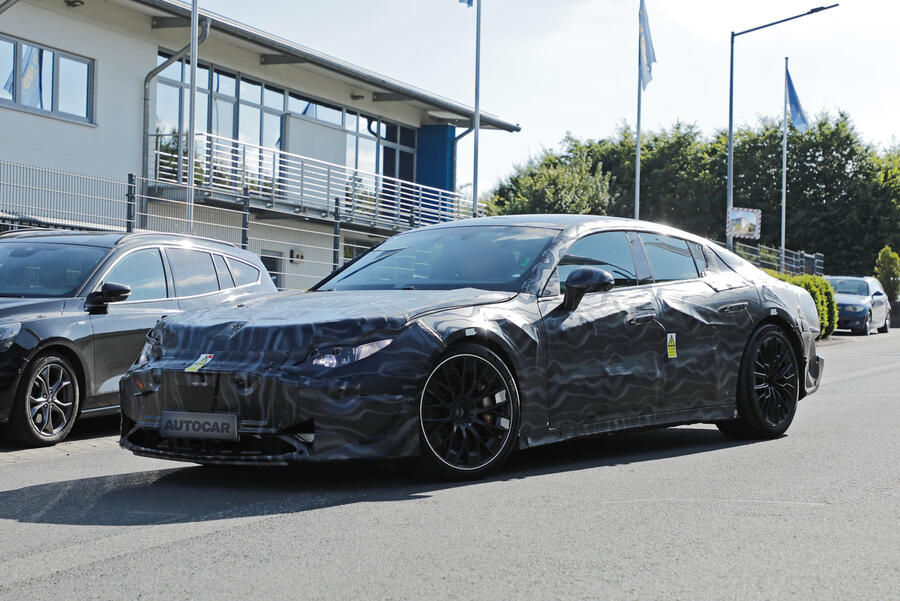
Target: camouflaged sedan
<point>455,344</point>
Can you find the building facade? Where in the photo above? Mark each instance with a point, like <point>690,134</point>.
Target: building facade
<point>288,141</point>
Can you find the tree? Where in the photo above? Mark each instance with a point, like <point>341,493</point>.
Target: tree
<point>567,182</point>
<point>887,270</point>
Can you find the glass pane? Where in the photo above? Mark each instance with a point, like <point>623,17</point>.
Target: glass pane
<point>194,272</point>
<point>408,137</point>
<point>36,78</point>
<point>73,87</point>
<point>202,75</point>
<point>350,160</point>
<point>388,161</point>
<point>670,258</point>
<point>200,112</point>
<point>368,125</point>
<point>7,60</point>
<point>243,273</point>
<point>251,92</point>
<point>222,122</point>
<point>274,99</point>
<point>271,135</point>
<point>30,269</point>
<point>248,124</point>
<point>143,272</point>
<point>223,83</point>
<point>166,108</point>
<point>609,251</point>
<point>390,132</point>
<point>225,279</point>
<point>350,120</point>
<point>329,114</point>
<point>366,155</point>
<point>173,71</point>
<point>406,170</point>
<point>699,258</point>
<point>301,106</point>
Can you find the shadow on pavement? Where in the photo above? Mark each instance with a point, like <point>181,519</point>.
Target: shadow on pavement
<point>196,494</point>
<point>84,429</point>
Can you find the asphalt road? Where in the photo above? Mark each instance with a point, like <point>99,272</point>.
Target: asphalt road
<point>682,513</point>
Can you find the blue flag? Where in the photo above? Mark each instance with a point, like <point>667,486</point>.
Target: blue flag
<point>646,54</point>
<point>32,78</point>
<point>798,118</point>
<point>468,2</point>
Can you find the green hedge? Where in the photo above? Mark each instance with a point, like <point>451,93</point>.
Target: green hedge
<point>823,295</point>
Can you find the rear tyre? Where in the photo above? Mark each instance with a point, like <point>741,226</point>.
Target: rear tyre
<point>768,387</point>
<point>468,414</point>
<point>46,402</point>
<point>887,324</point>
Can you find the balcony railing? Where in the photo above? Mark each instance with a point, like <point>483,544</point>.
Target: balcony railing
<point>303,184</point>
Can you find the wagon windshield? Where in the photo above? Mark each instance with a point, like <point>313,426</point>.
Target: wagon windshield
<point>42,269</point>
<point>485,257</point>
<point>848,286</point>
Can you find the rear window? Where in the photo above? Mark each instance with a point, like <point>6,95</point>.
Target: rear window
<point>225,279</point>
<point>669,258</point>
<point>243,273</point>
<point>194,272</point>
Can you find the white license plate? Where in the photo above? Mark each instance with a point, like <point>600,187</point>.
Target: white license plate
<point>189,424</point>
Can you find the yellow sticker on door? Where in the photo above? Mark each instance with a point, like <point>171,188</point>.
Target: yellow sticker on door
<point>671,350</point>
<point>200,362</point>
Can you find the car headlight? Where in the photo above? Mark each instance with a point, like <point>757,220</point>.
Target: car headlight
<point>8,333</point>
<point>343,355</point>
<point>151,352</point>
<point>854,308</point>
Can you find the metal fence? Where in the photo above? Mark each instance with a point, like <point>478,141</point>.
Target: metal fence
<point>795,261</point>
<point>303,184</point>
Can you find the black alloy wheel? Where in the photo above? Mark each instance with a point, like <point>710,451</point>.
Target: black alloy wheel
<point>46,403</point>
<point>468,413</point>
<point>768,386</point>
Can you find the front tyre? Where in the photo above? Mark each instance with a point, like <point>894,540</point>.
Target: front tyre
<point>867,326</point>
<point>46,402</point>
<point>768,386</point>
<point>468,414</point>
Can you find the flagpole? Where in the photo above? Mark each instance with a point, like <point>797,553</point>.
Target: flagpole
<point>192,125</point>
<point>477,117</point>
<point>784,162</point>
<point>637,156</point>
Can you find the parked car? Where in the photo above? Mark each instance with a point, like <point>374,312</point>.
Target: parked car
<point>75,309</point>
<point>457,343</point>
<point>862,304</point>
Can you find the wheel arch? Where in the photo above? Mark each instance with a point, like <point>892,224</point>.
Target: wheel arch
<point>66,350</point>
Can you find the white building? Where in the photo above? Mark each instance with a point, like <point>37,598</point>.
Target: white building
<point>300,156</point>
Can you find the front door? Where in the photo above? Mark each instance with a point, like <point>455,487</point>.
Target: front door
<point>120,333</point>
<point>602,360</point>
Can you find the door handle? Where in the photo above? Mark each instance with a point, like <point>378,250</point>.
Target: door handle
<point>642,319</point>
<point>733,308</point>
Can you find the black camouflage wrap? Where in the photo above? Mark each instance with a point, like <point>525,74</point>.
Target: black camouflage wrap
<point>602,367</point>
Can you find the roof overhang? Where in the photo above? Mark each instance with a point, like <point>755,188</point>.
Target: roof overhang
<point>440,110</point>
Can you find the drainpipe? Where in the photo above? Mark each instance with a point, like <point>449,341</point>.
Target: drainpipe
<point>6,5</point>
<point>145,146</point>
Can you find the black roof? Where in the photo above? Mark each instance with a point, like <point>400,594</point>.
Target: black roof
<point>104,239</point>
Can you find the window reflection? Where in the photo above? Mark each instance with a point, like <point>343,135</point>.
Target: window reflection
<point>223,83</point>
<point>7,59</point>
<point>251,92</point>
<point>73,87</point>
<point>166,109</point>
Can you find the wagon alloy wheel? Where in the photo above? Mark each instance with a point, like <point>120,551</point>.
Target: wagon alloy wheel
<point>468,412</point>
<point>46,403</point>
<point>775,380</point>
<point>50,399</point>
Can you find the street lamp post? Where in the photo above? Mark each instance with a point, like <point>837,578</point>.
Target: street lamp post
<point>730,181</point>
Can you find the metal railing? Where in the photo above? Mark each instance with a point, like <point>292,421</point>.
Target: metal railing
<point>796,262</point>
<point>304,184</point>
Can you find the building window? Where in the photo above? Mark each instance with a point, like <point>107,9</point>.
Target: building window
<point>46,80</point>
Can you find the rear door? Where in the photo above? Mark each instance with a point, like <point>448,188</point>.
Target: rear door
<point>120,333</point>
<point>602,360</point>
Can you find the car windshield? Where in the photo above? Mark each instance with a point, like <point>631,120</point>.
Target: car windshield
<point>41,269</point>
<point>849,286</point>
<point>486,257</point>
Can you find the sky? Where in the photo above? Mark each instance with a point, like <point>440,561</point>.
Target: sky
<point>570,66</point>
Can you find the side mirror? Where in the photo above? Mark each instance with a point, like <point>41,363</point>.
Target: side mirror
<point>583,281</point>
<point>110,292</point>
<point>878,293</point>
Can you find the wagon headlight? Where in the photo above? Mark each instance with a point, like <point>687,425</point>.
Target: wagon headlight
<point>343,355</point>
<point>151,352</point>
<point>8,333</point>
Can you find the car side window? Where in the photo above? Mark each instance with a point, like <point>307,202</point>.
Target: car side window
<point>609,251</point>
<point>243,273</point>
<point>143,272</point>
<point>699,257</point>
<point>194,272</point>
<point>225,279</point>
<point>670,258</point>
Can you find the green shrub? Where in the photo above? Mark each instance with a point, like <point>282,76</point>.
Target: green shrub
<point>821,292</point>
<point>887,270</point>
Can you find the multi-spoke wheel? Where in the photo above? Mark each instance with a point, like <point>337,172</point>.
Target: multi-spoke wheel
<point>468,413</point>
<point>46,403</point>
<point>768,386</point>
